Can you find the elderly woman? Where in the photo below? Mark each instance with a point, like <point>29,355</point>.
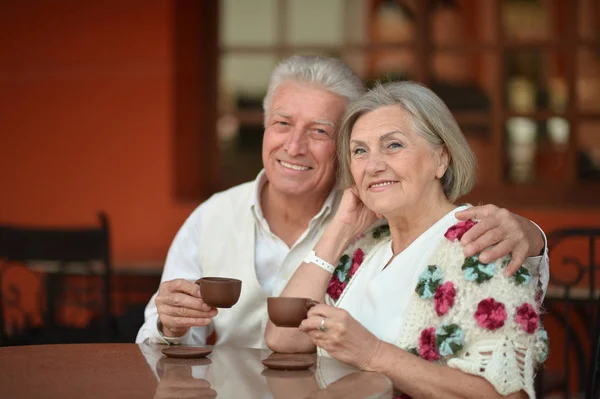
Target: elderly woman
<point>437,323</point>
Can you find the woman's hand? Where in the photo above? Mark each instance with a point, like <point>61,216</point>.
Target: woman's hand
<point>353,213</point>
<point>345,339</point>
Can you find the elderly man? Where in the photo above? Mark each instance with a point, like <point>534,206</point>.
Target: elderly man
<point>261,231</point>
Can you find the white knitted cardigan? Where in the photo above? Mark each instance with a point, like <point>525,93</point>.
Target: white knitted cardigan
<point>467,315</point>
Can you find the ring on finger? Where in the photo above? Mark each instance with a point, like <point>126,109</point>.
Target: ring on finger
<point>322,326</point>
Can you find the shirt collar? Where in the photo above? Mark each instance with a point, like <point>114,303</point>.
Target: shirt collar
<point>331,202</point>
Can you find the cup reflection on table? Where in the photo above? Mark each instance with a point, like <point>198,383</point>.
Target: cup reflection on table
<point>285,384</point>
<point>328,379</point>
<point>358,385</point>
<point>176,380</point>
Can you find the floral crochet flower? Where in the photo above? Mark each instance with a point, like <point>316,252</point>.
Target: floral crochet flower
<point>427,348</point>
<point>542,345</point>
<point>357,260</point>
<point>413,351</point>
<point>527,317</point>
<point>459,229</point>
<point>521,276</point>
<point>477,271</point>
<point>335,288</point>
<point>490,314</point>
<point>449,339</point>
<point>444,298</point>
<point>429,281</point>
<point>344,272</point>
<point>381,231</point>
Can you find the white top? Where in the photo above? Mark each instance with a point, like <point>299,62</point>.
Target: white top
<point>381,292</point>
<point>383,299</point>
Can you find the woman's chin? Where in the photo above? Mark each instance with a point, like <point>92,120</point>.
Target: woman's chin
<point>384,211</point>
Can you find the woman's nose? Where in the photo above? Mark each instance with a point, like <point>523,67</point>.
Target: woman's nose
<point>376,164</point>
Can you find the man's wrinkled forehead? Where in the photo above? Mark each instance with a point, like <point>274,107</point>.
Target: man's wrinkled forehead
<point>291,99</point>
<point>285,115</point>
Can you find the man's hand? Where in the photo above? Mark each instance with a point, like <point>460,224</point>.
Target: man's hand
<point>503,231</point>
<point>180,307</point>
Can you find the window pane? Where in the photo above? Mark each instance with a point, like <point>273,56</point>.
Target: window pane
<point>552,151</point>
<point>535,81</point>
<point>460,80</point>
<point>244,80</point>
<point>358,61</point>
<point>537,150</point>
<point>588,80</point>
<point>240,155</point>
<point>315,21</point>
<point>521,147</point>
<point>448,26</point>
<point>588,153</point>
<point>248,22</point>
<point>525,20</point>
<point>387,65</point>
<point>483,153</point>
<point>393,22</point>
<point>357,14</point>
<point>245,76</point>
<point>589,19</point>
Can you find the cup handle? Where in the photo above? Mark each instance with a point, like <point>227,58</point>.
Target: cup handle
<point>310,303</point>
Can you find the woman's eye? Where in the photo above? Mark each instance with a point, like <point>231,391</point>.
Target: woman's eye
<point>358,151</point>
<point>395,145</point>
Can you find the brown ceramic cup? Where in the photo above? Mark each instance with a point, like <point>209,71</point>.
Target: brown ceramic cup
<point>220,292</point>
<point>288,311</point>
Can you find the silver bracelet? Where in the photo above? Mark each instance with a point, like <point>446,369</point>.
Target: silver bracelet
<point>323,264</point>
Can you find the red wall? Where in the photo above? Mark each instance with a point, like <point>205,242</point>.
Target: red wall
<point>86,119</point>
<point>87,122</point>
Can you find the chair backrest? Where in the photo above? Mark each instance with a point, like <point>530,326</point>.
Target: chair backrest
<point>88,248</point>
<point>573,307</point>
<point>594,380</point>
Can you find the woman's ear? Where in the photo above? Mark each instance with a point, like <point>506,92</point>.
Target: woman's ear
<point>443,162</point>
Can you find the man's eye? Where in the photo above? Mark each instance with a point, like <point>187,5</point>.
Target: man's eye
<point>320,131</point>
<point>282,123</point>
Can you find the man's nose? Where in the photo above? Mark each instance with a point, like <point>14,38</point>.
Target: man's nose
<point>297,142</point>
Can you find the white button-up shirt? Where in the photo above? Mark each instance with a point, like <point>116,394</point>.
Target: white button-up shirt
<point>274,261</point>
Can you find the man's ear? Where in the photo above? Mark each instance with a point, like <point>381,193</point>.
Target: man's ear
<point>443,162</point>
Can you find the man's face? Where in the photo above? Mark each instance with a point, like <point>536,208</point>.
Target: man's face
<point>299,142</point>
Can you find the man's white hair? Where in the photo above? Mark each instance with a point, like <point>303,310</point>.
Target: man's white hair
<point>330,73</point>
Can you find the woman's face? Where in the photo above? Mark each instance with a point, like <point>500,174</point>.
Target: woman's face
<point>394,168</point>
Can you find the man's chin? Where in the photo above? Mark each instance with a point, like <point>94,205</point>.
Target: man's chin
<point>287,187</point>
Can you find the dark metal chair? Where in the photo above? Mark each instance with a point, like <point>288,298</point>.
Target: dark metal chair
<point>594,382</point>
<point>53,256</point>
<point>573,304</point>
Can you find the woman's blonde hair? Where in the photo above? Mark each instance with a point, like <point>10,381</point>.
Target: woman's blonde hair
<point>431,119</point>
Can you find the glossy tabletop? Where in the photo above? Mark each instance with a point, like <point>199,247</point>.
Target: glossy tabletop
<point>142,371</point>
